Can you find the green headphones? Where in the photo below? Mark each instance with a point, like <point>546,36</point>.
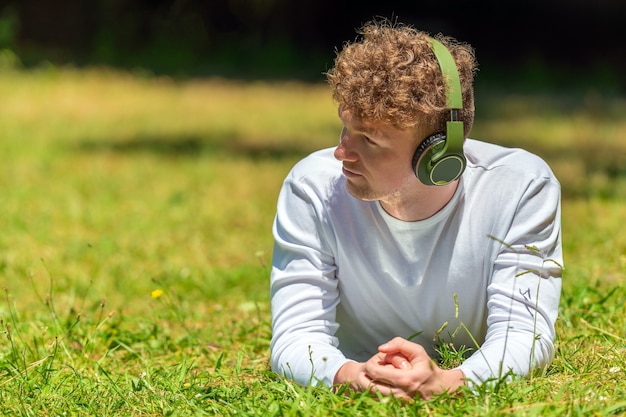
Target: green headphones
<point>439,159</point>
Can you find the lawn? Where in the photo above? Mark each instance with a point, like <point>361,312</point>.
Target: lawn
<point>136,240</point>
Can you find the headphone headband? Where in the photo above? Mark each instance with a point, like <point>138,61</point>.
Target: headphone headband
<point>439,159</point>
<point>454,100</point>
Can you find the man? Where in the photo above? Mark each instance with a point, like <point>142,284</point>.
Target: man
<point>396,234</point>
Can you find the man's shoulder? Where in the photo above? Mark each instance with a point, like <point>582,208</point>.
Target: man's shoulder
<point>490,157</point>
<point>318,165</point>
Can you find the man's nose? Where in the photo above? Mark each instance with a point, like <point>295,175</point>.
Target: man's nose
<point>343,151</point>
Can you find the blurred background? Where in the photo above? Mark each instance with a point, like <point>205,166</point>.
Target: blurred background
<point>554,44</point>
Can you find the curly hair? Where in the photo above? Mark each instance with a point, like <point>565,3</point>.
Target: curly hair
<point>392,76</point>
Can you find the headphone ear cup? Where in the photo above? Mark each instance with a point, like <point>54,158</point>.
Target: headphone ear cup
<point>434,165</point>
<point>423,156</point>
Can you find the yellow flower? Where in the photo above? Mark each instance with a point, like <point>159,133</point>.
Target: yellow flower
<point>156,293</point>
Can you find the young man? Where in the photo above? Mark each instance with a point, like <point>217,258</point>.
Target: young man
<point>407,235</point>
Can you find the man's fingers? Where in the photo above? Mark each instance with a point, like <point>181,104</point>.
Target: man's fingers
<point>409,350</point>
<point>394,345</point>
<point>388,390</point>
<point>398,361</point>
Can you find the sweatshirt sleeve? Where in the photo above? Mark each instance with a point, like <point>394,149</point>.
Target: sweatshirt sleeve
<point>524,292</point>
<point>303,290</point>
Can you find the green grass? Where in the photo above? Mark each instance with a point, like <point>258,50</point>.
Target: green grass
<point>136,217</point>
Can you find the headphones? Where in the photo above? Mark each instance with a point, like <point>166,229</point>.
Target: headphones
<point>439,159</point>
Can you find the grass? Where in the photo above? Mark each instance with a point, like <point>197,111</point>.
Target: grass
<point>136,216</point>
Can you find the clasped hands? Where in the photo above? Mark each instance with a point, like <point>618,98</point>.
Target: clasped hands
<point>401,369</point>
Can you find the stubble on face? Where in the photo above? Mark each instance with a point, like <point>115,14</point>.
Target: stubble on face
<point>362,190</point>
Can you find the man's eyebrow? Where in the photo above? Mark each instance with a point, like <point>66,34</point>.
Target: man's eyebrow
<point>367,129</point>
<point>372,131</point>
<point>364,128</point>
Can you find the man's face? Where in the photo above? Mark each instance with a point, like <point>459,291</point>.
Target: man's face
<point>376,159</point>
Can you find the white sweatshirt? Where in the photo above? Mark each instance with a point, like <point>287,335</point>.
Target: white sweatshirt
<point>347,277</point>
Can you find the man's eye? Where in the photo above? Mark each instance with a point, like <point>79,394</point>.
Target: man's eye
<point>368,140</point>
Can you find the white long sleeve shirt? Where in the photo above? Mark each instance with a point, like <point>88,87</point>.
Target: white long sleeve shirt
<point>347,277</point>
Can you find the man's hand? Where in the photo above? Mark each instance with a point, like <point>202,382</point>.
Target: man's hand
<point>413,374</point>
<point>401,369</point>
<point>353,373</point>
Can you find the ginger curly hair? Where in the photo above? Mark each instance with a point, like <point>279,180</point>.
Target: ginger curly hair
<point>391,75</point>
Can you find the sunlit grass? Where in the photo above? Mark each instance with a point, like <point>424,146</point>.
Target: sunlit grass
<point>581,136</point>
<point>136,216</point>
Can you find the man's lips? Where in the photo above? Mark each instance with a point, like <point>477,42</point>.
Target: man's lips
<point>349,173</point>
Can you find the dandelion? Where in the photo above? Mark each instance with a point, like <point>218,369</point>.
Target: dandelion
<point>156,293</point>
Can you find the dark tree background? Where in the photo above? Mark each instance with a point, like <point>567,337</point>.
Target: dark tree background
<point>549,43</point>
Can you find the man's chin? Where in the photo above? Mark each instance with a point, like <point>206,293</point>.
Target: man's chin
<point>364,193</point>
